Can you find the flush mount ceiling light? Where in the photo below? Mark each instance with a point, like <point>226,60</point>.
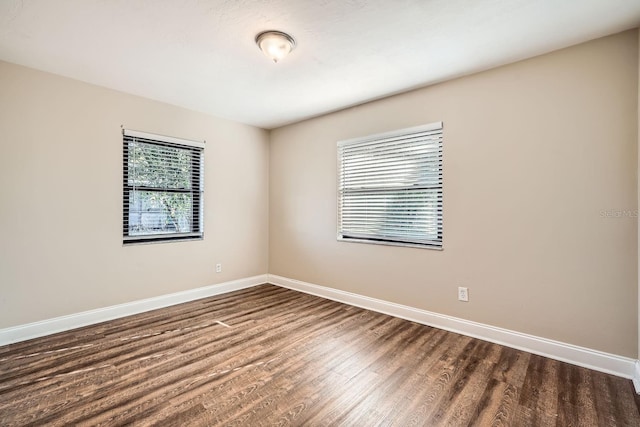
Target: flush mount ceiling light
<point>275,44</point>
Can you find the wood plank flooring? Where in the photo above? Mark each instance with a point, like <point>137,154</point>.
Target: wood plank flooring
<point>268,356</point>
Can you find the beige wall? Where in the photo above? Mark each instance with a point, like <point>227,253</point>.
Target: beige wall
<point>61,199</point>
<point>534,152</point>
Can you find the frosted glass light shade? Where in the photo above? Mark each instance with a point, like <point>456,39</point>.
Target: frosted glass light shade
<point>275,44</point>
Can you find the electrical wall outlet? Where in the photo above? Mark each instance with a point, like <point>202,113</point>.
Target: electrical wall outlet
<point>218,268</point>
<point>463,294</point>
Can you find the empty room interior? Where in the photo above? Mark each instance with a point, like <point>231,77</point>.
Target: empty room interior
<point>359,213</point>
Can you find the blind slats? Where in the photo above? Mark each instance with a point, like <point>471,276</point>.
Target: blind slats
<point>390,188</point>
<point>162,189</point>
<point>397,148</point>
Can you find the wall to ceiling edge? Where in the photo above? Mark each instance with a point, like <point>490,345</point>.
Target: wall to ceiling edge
<point>540,198</point>
<point>61,248</point>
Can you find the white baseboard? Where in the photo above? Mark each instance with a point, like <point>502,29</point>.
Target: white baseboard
<point>593,359</point>
<point>77,320</point>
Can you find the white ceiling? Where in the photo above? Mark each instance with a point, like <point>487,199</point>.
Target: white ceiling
<point>200,54</point>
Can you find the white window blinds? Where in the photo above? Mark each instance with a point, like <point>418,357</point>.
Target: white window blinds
<point>162,188</point>
<point>390,188</point>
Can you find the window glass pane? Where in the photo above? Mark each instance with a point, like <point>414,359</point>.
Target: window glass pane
<point>152,165</point>
<point>157,212</point>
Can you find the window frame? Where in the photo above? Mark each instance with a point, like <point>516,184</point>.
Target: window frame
<point>196,190</point>
<point>401,134</point>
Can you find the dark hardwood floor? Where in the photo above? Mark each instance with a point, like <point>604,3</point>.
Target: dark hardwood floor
<point>272,356</point>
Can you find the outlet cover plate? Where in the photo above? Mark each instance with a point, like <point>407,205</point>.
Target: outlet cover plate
<point>463,294</point>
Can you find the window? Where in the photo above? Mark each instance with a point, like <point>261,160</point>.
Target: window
<point>162,188</point>
<point>390,188</point>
